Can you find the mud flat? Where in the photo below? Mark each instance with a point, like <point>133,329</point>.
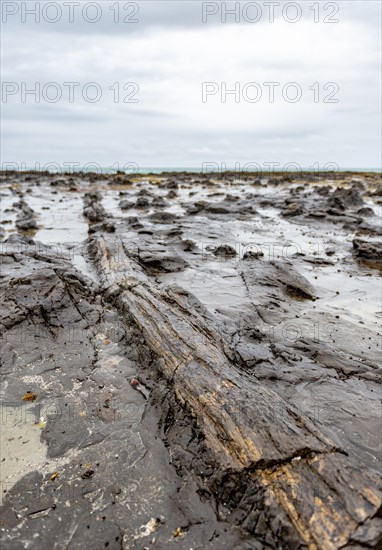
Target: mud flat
<point>191,361</point>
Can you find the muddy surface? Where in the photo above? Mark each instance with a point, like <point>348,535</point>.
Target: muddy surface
<point>149,322</point>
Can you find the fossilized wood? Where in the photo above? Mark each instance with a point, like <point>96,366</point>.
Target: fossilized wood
<point>304,480</point>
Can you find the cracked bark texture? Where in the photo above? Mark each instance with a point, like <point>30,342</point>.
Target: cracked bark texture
<point>280,461</point>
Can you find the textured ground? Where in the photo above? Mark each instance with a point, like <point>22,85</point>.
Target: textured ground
<point>111,435</point>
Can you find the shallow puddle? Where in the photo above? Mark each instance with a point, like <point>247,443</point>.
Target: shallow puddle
<point>59,217</point>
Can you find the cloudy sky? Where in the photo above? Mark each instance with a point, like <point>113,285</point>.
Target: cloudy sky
<point>164,53</point>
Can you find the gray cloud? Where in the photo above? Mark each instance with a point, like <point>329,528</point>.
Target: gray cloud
<point>169,54</point>
<point>166,14</point>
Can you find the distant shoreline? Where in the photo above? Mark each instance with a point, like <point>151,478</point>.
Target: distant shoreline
<point>197,171</point>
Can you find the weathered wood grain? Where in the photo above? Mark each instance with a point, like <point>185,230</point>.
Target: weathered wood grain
<point>301,478</point>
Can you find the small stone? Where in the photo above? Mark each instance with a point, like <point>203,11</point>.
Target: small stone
<point>225,250</point>
<point>29,396</point>
<point>178,532</point>
<point>88,474</point>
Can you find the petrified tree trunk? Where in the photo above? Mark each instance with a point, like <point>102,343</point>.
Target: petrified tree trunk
<point>301,490</point>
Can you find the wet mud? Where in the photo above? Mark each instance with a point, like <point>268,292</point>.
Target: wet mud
<point>191,361</point>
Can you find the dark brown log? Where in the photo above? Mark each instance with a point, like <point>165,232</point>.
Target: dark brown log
<point>306,483</point>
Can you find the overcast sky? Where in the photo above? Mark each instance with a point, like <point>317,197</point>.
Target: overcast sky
<point>169,53</point>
